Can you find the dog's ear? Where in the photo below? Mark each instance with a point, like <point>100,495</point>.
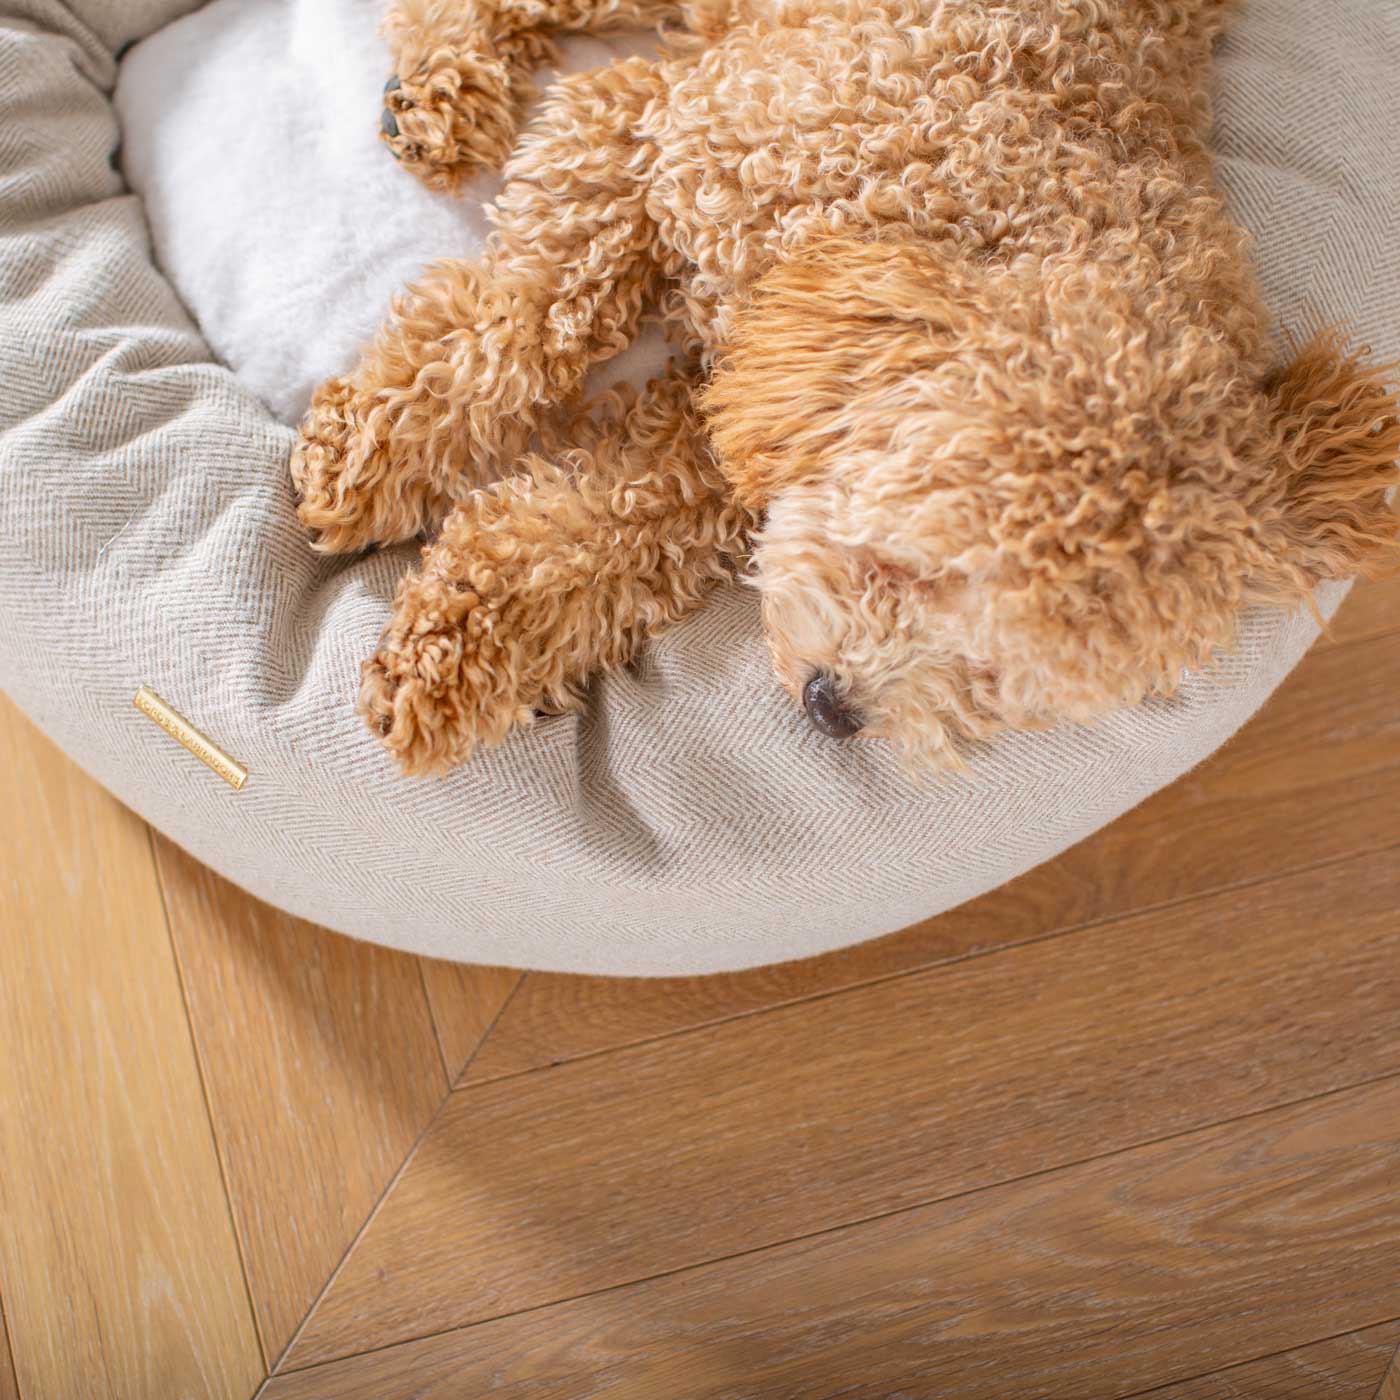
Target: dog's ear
<point>1335,440</point>
<point>816,340</point>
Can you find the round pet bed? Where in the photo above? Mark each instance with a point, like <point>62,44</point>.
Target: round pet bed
<point>689,820</point>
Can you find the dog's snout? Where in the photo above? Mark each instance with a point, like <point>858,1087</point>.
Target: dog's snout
<point>827,710</point>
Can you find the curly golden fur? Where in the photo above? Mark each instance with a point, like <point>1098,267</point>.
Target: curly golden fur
<point>988,405</point>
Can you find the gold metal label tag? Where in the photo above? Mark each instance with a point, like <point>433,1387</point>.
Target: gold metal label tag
<point>181,730</point>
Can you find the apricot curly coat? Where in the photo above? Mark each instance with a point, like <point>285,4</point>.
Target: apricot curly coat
<point>977,383</point>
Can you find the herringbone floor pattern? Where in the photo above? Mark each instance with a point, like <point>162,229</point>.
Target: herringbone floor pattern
<point>1127,1127</point>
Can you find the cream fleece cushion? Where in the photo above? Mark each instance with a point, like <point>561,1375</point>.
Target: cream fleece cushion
<point>689,820</point>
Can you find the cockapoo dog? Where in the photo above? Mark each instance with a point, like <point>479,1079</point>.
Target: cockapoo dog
<point>978,381</point>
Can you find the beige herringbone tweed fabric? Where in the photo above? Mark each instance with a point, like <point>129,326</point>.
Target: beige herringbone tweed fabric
<point>689,820</point>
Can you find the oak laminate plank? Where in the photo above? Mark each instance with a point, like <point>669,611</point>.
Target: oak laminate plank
<point>465,1001</point>
<point>1086,1283</point>
<point>659,1157</point>
<point>1371,609</point>
<point>322,1069</point>
<point>1285,793</point>
<point>118,1263</point>
<point>1348,1367</point>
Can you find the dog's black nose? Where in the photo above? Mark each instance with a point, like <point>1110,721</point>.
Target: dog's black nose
<point>387,123</point>
<point>827,710</point>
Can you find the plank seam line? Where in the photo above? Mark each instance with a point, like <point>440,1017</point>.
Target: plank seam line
<point>7,1349</point>
<point>398,1172</point>
<point>490,1030</point>
<point>1263,1356</point>
<point>433,1021</point>
<point>239,1243</point>
<point>976,954</point>
<point>359,1235</point>
<point>1389,1371</point>
<point>694,1265</point>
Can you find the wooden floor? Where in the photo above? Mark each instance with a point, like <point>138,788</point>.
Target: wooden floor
<point>1128,1127</point>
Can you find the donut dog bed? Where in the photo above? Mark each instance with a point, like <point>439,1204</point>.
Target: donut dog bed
<point>195,232</point>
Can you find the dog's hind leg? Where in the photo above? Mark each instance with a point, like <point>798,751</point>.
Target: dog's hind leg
<point>552,575</point>
<point>450,390</point>
<point>461,70</point>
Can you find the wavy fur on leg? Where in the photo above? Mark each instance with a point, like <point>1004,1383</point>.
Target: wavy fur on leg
<point>383,451</point>
<point>555,573</point>
<point>459,88</point>
<point>977,338</point>
<point>461,74</point>
<point>475,356</point>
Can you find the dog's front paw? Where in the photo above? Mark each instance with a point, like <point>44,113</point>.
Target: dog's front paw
<point>442,682</point>
<point>352,493</point>
<point>451,112</point>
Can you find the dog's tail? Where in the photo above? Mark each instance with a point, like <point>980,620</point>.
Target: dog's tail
<point>1335,443</point>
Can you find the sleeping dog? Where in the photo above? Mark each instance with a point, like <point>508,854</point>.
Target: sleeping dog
<point>974,379</point>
